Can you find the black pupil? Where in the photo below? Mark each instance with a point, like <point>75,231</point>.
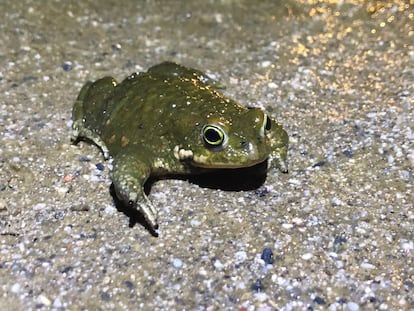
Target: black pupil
<point>268,125</point>
<point>212,135</point>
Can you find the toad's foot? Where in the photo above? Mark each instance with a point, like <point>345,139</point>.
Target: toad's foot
<point>279,140</point>
<point>129,176</point>
<point>278,160</point>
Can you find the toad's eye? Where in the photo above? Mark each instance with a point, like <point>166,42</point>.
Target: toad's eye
<point>268,124</point>
<point>213,136</point>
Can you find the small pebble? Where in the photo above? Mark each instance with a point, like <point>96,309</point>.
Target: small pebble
<point>295,182</point>
<point>240,257</point>
<point>62,190</point>
<point>106,280</point>
<point>177,263</point>
<point>319,300</point>
<point>57,303</point>
<point>266,63</point>
<point>337,202</point>
<point>15,288</point>
<point>339,240</point>
<point>105,296</point>
<point>272,85</point>
<point>3,205</point>
<point>352,306</point>
<point>319,164</point>
<point>348,153</point>
<point>367,265</point>
<point>307,256</point>
<point>100,166</point>
<point>68,178</point>
<point>267,256</point>
<point>195,223</point>
<point>218,265</point>
<point>42,299</point>
<point>67,66</point>
<point>66,269</point>
<point>407,246</point>
<point>60,214</point>
<point>84,159</point>
<point>129,284</point>
<point>261,192</point>
<point>110,209</point>
<point>39,207</point>
<point>257,286</point>
<point>116,47</point>
<point>287,226</point>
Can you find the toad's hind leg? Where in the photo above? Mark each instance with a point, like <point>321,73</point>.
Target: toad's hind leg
<point>129,176</point>
<point>90,112</point>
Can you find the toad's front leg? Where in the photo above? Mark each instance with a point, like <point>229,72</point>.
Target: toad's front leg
<point>129,175</point>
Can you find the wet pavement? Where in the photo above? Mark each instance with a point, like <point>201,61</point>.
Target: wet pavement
<point>335,233</point>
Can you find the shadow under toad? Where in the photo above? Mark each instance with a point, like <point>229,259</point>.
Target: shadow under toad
<point>241,179</point>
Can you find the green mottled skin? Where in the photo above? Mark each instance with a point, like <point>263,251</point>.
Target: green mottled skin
<point>152,123</point>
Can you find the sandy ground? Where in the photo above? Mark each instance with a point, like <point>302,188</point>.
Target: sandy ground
<point>338,75</point>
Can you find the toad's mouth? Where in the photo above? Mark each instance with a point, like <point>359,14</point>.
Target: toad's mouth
<point>208,162</point>
<point>205,162</point>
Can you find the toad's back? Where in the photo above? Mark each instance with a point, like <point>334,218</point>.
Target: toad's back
<point>160,107</point>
